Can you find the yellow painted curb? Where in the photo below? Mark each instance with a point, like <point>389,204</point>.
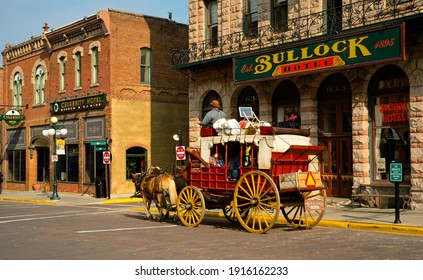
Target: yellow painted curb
<point>398,229</point>
<point>29,200</point>
<point>122,200</point>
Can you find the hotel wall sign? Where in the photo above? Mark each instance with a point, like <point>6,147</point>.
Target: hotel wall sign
<point>351,50</point>
<point>12,117</point>
<point>79,104</point>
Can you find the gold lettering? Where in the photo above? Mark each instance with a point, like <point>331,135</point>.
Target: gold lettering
<point>263,64</point>
<point>290,56</point>
<point>321,50</point>
<point>278,57</point>
<point>355,44</point>
<point>336,49</point>
<point>304,53</point>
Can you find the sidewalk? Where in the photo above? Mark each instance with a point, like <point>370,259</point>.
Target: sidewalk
<point>338,213</point>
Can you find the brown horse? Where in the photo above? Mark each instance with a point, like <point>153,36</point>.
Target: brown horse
<point>158,187</point>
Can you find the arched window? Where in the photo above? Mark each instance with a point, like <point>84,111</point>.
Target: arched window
<point>62,69</point>
<point>389,103</point>
<point>249,98</point>
<point>78,69</point>
<point>39,85</point>
<point>94,66</point>
<point>286,105</point>
<point>136,161</point>
<point>17,90</point>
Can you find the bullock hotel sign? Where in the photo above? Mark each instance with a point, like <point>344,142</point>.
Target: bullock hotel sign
<point>79,104</point>
<point>351,50</point>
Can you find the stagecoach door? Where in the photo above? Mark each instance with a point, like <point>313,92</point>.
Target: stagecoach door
<point>336,166</point>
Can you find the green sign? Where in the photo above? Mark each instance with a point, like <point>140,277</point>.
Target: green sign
<point>344,51</point>
<point>103,143</point>
<point>79,104</point>
<point>12,117</point>
<point>395,172</point>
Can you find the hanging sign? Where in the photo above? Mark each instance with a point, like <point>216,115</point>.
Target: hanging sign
<point>12,117</point>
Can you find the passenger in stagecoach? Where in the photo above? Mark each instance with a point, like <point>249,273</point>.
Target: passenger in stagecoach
<point>213,115</point>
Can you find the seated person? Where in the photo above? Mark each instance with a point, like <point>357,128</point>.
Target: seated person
<point>213,115</point>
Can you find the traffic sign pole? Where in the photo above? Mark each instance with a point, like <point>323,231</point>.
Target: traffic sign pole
<point>395,176</point>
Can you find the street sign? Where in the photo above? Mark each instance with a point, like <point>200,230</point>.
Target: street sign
<point>180,153</point>
<point>106,157</point>
<point>54,158</point>
<point>395,172</point>
<point>102,143</point>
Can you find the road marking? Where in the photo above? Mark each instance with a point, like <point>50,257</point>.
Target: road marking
<point>59,216</point>
<point>34,215</point>
<point>122,229</point>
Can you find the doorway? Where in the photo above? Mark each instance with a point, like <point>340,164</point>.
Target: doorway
<point>335,132</point>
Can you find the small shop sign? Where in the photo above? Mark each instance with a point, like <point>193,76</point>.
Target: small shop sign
<point>12,117</point>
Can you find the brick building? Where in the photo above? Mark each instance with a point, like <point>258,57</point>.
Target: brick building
<point>350,71</point>
<point>108,79</point>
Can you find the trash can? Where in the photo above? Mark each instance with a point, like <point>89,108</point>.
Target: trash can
<point>100,187</point>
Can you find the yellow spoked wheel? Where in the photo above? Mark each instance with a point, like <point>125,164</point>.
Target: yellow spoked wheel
<point>307,214</point>
<point>190,206</point>
<point>229,213</point>
<point>256,202</point>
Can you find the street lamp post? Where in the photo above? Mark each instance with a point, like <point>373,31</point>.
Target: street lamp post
<point>55,130</point>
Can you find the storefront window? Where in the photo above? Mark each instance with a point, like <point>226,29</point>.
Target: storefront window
<point>286,105</point>
<point>391,129</point>
<point>67,166</point>
<point>17,163</point>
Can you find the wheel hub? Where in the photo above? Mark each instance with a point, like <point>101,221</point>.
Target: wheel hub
<point>254,202</point>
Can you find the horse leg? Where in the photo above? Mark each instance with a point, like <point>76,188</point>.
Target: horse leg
<point>167,203</point>
<point>147,204</point>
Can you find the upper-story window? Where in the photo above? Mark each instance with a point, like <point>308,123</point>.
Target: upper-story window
<point>145,66</point>
<point>212,26</point>
<point>280,15</point>
<point>39,84</point>
<point>94,66</point>
<point>62,69</point>
<point>251,17</point>
<point>17,90</point>
<point>78,69</point>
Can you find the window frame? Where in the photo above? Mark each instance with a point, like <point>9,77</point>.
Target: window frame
<point>251,18</point>
<point>62,70</point>
<point>145,66</point>
<point>39,85</point>
<point>94,65</point>
<point>17,89</point>
<point>78,69</point>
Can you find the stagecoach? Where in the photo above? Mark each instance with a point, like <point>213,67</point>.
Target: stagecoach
<point>253,173</point>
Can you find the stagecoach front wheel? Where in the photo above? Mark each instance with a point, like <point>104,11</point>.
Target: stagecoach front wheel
<point>308,213</point>
<point>256,201</point>
<point>191,206</point>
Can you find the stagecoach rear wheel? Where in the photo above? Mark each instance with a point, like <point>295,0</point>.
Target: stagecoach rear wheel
<point>256,201</point>
<point>191,206</point>
<point>307,214</point>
